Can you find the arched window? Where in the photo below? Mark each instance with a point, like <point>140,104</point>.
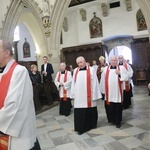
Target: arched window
<point>16,34</point>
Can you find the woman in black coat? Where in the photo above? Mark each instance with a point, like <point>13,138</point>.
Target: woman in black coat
<point>36,82</point>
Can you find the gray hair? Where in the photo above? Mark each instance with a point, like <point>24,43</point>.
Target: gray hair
<point>120,56</point>
<point>114,56</point>
<point>7,46</point>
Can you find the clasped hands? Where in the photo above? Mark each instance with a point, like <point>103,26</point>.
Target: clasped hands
<point>117,72</point>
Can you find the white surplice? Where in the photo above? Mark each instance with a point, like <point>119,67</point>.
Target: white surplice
<point>129,72</point>
<point>66,85</point>
<point>79,89</point>
<point>114,94</point>
<point>95,67</point>
<point>17,117</point>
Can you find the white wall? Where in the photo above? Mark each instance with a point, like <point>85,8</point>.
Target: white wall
<point>3,10</point>
<point>118,22</point>
<point>31,29</point>
<point>24,33</point>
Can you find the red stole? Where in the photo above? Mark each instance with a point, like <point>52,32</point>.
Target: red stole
<point>4,85</point>
<point>127,84</point>
<point>65,80</point>
<point>107,87</point>
<point>88,80</point>
<point>4,142</point>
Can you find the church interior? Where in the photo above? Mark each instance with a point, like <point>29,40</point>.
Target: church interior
<point>62,30</point>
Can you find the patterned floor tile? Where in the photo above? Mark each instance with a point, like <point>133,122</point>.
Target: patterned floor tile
<point>145,137</point>
<point>131,142</point>
<point>143,147</point>
<point>134,130</point>
<point>70,146</point>
<point>115,146</point>
<point>62,140</point>
<point>56,132</point>
<point>103,139</point>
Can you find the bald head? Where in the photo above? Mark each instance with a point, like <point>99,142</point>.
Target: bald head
<point>80,58</point>
<point>113,61</point>
<point>81,62</point>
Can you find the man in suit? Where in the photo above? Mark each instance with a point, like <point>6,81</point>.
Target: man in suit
<point>47,71</point>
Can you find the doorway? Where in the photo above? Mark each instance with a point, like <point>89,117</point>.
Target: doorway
<point>122,50</point>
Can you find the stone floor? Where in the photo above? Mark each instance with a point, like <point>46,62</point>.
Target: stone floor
<point>56,132</point>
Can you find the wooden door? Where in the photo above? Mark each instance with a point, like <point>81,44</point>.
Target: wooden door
<point>141,57</point>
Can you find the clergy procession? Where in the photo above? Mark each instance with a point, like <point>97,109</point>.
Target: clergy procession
<point>85,87</point>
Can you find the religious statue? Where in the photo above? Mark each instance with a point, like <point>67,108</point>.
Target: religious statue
<point>104,9</point>
<point>46,10</point>
<point>83,14</point>
<point>65,24</point>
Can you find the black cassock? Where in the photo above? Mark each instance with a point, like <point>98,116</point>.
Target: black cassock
<point>85,119</point>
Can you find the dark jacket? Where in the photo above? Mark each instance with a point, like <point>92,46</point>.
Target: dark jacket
<point>49,70</point>
<point>35,78</point>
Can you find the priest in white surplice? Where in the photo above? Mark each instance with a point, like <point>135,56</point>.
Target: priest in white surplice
<point>63,81</point>
<point>85,91</point>
<point>17,114</point>
<point>127,88</point>
<point>111,85</point>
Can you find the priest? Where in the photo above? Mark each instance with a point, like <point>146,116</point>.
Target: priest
<point>111,85</point>
<point>17,114</point>
<point>127,88</point>
<point>63,81</point>
<point>86,92</point>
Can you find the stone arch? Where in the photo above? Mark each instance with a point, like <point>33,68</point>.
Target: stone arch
<point>57,18</point>
<point>121,50</point>
<point>13,14</point>
<point>30,18</point>
<point>58,15</point>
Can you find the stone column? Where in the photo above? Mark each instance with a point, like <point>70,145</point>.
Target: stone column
<point>57,18</point>
<point>15,45</point>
